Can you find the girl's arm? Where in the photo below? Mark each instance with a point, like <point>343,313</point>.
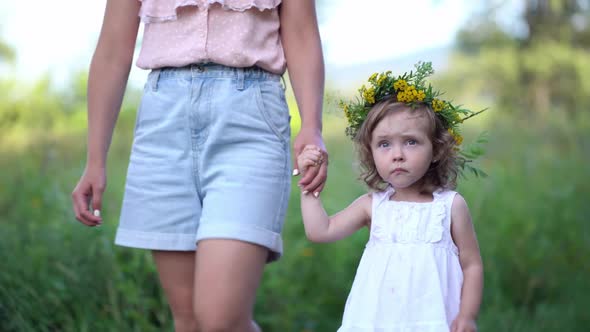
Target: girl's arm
<point>318,226</point>
<point>109,71</point>
<point>464,236</point>
<point>321,228</point>
<point>303,50</point>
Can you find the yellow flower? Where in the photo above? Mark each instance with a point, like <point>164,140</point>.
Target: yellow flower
<point>369,95</point>
<point>345,109</point>
<point>373,78</point>
<point>400,85</point>
<point>438,105</point>
<point>421,95</point>
<point>409,94</point>
<point>401,97</point>
<point>458,138</point>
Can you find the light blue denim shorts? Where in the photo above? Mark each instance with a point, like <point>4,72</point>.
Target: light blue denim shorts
<point>210,160</point>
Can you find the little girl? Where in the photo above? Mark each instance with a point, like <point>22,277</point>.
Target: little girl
<point>421,269</point>
<point>210,165</point>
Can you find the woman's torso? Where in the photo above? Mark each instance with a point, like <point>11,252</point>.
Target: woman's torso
<point>235,33</point>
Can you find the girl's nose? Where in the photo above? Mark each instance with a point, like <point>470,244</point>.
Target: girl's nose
<point>397,154</point>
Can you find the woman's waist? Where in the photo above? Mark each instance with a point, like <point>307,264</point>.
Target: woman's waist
<point>215,70</point>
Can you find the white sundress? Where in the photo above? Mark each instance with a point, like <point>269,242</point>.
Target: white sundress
<point>409,278</point>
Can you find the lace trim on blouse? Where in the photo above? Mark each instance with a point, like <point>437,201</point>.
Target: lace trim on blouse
<point>153,11</point>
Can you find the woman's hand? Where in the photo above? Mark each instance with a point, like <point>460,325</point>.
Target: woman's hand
<point>88,193</point>
<point>314,178</point>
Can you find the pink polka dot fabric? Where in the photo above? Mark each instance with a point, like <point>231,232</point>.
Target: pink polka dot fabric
<point>236,33</point>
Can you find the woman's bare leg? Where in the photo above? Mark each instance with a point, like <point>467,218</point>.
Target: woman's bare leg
<point>227,275</point>
<point>176,270</point>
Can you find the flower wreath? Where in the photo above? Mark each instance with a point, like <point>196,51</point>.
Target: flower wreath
<point>410,88</point>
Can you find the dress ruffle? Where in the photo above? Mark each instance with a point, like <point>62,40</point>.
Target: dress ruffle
<point>412,222</point>
<point>153,11</point>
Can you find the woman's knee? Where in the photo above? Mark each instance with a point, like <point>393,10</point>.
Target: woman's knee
<point>221,322</point>
<point>185,324</point>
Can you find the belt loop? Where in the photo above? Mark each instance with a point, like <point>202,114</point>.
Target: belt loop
<point>240,78</point>
<point>153,79</point>
<point>196,69</point>
<point>284,86</point>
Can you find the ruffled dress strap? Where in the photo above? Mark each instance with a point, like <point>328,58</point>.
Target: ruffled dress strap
<point>443,200</point>
<point>152,11</point>
<point>446,197</point>
<point>381,196</point>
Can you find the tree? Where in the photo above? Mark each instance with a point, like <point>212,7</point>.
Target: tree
<point>544,69</point>
<point>7,53</point>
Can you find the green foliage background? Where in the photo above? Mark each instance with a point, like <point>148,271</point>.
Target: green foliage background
<point>531,214</point>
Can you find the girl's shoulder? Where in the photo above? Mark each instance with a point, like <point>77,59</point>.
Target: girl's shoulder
<point>166,10</point>
<point>378,197</point>
<point>459,204</point>
<point>446,195</point>
<point>454,202</point>
<point>450,196</point>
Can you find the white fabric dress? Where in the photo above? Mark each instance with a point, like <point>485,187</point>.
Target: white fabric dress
<point>409,278</point>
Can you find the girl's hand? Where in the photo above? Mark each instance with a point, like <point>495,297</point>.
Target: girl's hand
<point>463,324</point>
<point>89,191</point>
<point>314,179</point>
<point>310,157</point>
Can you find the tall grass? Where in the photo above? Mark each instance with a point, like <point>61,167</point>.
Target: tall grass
<point>530,215</point>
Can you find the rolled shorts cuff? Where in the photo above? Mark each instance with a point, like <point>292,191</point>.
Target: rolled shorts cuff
<point>155,241</point>
<point>235,231</point>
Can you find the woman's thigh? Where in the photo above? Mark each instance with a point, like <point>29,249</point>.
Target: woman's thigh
<point>227,275</point>
<point>176,272</point>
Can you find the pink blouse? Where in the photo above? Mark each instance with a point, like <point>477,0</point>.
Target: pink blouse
<point>236,33</point>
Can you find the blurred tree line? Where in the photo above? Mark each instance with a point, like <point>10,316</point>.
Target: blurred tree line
<point>6,53</point>
<point>538,65</point>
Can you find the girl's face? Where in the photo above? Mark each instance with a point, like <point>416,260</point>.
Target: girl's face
<point>402,150</point>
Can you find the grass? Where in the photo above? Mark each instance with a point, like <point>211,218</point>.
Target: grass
<point>530,215</point>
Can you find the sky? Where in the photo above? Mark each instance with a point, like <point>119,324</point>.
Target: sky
<point>385,29</point>
<point>58,37</point>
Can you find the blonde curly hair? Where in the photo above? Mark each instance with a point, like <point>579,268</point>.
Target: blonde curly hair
<point>442,173</point>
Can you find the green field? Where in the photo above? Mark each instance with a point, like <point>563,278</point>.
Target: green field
<point>531,215</point>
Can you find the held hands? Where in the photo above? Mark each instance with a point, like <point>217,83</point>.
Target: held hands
<point>314,179</point>
<point>89,190</point>
<point>310,159</point>
<point>463,324</point>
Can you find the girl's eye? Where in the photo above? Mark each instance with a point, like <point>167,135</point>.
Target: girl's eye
<point>412,142</point>
<point>383,144</point>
